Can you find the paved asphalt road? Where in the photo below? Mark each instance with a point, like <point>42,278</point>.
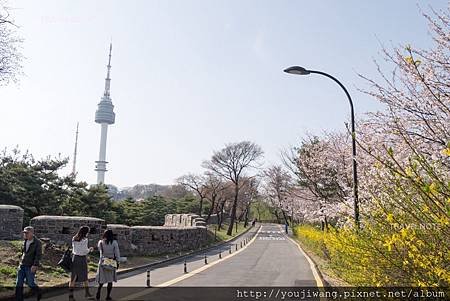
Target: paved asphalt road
<point>268,259</point>
<point>271,260</point>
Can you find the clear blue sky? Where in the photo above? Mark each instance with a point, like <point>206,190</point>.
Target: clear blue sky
<point>189,76</point>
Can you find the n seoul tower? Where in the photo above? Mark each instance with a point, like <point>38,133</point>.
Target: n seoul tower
<point>104,116</point>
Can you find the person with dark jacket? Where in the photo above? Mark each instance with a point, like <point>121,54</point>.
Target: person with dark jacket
<point>29,263</point>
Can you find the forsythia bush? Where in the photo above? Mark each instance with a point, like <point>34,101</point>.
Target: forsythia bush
<point>313,238</point>
<point>375,257</point>
<point>404,176</point>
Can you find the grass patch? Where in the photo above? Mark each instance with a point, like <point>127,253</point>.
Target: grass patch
<point>49,273</point>
<point>8,271</point>
<point>17,244</point>
<point>221,235</point>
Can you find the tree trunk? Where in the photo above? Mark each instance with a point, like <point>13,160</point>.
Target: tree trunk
<point>213,201</point>
<point>277,217</point>
<point>220,215</point>
<point>233,211</point>
<point>219,221</point>
<point>240,217</point>
<point>258,210</point>
<point>247,211</point>
<point>200,207</point>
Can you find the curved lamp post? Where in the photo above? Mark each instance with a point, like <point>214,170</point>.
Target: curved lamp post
<point>302,71</point>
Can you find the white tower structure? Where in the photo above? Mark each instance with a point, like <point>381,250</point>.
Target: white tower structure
<point>104,116</point>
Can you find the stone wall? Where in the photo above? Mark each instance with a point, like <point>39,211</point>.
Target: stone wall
<point>123,236</point>
<point>151,240</point>
<point>11,219</point>
<point>137,240</point>
<point>184,220</point>
<point>213,219</point>
<point>61,229</point>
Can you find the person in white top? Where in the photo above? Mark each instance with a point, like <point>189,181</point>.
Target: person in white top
<point>80,250</point>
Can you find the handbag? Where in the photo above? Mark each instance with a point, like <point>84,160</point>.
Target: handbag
<point>66,261</point>
<point>107,263</point>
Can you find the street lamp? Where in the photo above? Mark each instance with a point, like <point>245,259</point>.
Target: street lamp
<point>302,71</point>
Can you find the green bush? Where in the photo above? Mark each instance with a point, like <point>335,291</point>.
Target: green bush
<point>8,271</point>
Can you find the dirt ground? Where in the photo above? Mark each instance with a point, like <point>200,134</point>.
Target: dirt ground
<point>48,273</point>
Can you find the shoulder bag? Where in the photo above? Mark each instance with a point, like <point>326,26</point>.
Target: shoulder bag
<point>66,260</point>
<point>107,263</point>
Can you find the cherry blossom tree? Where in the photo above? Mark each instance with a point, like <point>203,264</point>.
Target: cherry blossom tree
<point>10,46</point>
<point>403,164</point>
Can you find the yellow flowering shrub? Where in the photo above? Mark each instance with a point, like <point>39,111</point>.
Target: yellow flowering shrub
<point>312,237</point>
<point>374,256</point>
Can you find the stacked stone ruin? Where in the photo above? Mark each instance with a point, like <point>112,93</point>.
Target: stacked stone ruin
<point>11,218</point>
<point>152,240</point>
<point>174,220</point>
<point>180,231</point>
<point>61,229</point>
<point>184,220</point>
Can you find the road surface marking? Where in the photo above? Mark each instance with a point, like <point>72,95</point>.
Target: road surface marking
<point>311,263</point>
<point>271,238</point>
<point>194,272</point>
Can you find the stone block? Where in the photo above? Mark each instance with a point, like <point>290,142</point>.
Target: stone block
<point>11,219</point>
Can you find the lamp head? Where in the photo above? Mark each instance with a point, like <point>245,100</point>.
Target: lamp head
<point>297,70</point>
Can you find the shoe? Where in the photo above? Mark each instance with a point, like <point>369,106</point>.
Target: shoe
<point>97,296</point>
<point>108,298</point>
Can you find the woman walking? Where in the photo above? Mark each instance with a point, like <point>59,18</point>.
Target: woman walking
<point>79,271</point>
<point>107,266</point>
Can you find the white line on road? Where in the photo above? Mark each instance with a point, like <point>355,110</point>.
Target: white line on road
<point>271,238</point>
<point>311,263</point>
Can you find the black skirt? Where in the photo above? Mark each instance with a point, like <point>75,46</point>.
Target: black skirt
<point>79,268</point>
